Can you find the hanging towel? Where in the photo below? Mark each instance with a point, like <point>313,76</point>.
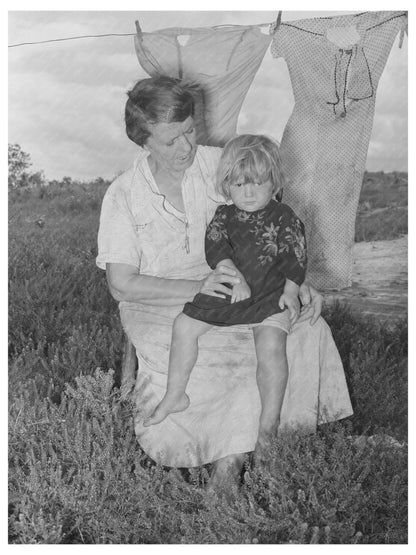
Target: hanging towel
<point>220,61</point>
<point>335,65</point>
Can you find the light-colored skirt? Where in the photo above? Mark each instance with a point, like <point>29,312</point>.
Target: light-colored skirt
<point>223,416</point>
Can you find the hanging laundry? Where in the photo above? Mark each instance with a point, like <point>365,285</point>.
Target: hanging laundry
<point>220,61</point>
<point>335,65</point>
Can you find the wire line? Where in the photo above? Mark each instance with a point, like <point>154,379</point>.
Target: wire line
<point>215,27</point>
<point>73,38</point>
<point>120,35</point>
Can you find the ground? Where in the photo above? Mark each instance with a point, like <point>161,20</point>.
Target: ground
<point>379,279</point>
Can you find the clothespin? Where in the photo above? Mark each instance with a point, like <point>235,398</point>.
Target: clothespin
<point>278,21</point>
<point>403,30</point>
<point>138,28</point>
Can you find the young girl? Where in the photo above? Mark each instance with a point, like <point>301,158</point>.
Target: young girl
<point>263,241</point>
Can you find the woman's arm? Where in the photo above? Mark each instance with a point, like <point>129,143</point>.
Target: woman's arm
<point>126,284</point>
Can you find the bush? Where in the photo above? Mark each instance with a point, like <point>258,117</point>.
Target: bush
<point>382,210</point>
<point>374,356</point>
<point>76,473</point>
<point>382,224</point>
<point>384,190</point>
<point>78,476</point>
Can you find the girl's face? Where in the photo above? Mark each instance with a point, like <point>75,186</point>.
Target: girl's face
<point>251,196</point>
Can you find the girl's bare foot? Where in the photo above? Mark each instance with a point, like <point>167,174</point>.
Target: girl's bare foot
<point>166,406</point>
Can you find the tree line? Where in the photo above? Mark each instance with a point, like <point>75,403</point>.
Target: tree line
<point>20,176</point>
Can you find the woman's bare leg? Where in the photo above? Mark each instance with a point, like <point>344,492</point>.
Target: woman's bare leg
<point>272,374</point>
<point>183,354</point>
<point>226,472</point>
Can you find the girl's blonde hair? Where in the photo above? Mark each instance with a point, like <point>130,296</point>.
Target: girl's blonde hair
<point>250,159</point>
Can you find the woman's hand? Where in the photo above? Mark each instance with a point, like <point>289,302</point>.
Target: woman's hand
<point>290,300</point>
<point>311,301</point>
<point>213,284</point>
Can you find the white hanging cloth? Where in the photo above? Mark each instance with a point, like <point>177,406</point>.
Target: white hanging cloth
<point>221,61</point>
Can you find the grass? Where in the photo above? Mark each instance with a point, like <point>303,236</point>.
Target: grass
<point>76,472</point>
<point>382,211</point>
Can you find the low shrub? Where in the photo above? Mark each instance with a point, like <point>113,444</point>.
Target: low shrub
<point>381,225</point>
<point>78,476</point>
<point>76,472</point>
<point>374,356</point>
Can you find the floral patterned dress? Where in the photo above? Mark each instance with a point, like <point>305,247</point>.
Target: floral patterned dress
<point>267,246</point>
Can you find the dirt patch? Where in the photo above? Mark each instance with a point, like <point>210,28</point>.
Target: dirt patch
<point>379,280</point>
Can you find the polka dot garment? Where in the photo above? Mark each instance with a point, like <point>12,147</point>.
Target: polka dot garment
<point>335,64</point>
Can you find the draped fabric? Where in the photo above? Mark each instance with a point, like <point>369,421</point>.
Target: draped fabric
<point>335,65</point>
<point>223,417</point>
<point>220,61</point>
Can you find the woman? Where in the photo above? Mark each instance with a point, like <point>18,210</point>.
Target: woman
<point>151,244</point>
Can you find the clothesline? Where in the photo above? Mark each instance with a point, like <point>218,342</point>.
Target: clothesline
<point>121,35</point>
<point>72,38</point>
<point>275,24</point>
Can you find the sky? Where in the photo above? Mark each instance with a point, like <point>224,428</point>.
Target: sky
<point>66,99</point>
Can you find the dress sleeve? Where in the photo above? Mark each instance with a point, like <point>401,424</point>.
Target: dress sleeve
<point>117,238</point>
<point>291,245</point>
<point>217,244</point>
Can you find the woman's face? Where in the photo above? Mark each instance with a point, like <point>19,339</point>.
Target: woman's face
<point>172,146</point>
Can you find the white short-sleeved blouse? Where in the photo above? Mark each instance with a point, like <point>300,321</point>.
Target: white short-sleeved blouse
<point>138,226</point>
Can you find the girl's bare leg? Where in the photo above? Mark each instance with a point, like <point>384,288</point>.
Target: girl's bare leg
<point>272,374</point>
<point>183,354</point>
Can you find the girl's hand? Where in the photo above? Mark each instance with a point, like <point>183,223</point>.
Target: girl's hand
<point>293,305</point>
<point>240,292</point>
<point>311,301</point>
<point>213,284</point>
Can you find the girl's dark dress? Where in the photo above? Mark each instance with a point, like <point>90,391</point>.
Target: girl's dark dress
<point>267,246</point>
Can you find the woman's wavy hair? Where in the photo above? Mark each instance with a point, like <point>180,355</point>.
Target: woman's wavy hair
<point>156,100</point>
<point>250,159</point>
